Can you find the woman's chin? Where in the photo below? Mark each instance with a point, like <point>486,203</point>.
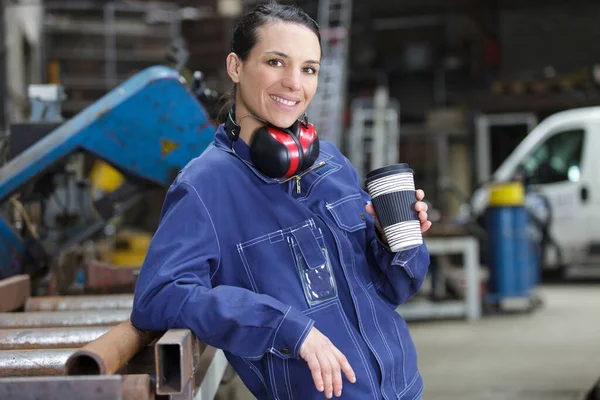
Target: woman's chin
<point>283,121</point>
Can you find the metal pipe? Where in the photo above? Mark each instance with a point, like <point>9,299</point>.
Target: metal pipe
<point>137,387</point>
<point>142,363</point>
<point>63,387</point>
<point>80,303</point>
<point>206,378</point>
<point>14,291</point>
<point>59,319</point>
<point>49,338</point>
<point>110,352</point>
<point>177,354</point>
<point>33,362</point>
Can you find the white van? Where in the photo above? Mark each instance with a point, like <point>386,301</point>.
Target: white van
<point>560,160</point>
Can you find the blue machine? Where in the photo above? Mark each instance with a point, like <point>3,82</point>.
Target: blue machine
<point>147,128</point>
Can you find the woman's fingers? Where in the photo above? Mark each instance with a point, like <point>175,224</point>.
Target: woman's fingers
<point>326,373</point>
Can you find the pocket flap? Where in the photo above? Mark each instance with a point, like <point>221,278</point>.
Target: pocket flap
<point>349,213</point>
<point>309,247</point>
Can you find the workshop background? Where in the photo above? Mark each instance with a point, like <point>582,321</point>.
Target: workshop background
<point>495,104</point>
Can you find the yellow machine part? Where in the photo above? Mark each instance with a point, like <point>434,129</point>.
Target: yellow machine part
<point>131,249</point>
<point>506,194</point>
<point>105,178</point>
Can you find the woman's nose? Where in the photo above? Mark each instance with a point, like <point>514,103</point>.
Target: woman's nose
<point>291,81</point>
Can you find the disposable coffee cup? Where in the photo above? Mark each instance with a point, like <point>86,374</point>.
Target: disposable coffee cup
<point>392,191</point>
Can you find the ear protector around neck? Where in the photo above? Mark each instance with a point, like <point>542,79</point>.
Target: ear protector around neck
<point>280,152</point>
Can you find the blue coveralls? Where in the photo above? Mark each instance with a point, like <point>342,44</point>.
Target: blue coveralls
<point>250,264</point>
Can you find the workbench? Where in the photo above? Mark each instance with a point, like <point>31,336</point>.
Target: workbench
<point>470,308</point>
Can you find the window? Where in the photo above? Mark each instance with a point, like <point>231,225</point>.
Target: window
<point>556,160</point>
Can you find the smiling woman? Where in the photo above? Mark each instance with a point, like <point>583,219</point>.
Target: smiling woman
<point>277,78</point>
<point>268,248</point>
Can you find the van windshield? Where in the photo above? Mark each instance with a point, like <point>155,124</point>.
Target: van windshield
<point>557,159</point>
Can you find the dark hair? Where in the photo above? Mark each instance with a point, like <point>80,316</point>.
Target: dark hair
<point>245,34</point>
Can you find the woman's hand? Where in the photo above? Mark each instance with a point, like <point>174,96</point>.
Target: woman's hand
<point>420,207</point>
<point>326,363</point>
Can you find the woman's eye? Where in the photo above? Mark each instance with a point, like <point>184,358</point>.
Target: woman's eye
<point>310,70</point>
<point>275,63</point>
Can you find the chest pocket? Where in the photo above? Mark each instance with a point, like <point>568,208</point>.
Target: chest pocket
<point>313,265</point>
<point>349,213</point>
<point>290,265</point>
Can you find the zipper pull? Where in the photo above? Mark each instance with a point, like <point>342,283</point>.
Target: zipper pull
<point>298,184</point>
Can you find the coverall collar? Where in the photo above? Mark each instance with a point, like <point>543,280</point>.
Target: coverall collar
<point>241,150</point>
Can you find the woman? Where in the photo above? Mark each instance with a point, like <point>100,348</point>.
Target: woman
<point>269,254</point>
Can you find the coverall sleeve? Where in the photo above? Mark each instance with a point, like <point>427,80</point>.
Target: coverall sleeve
<point>397,276</point>
<point>174,289</point>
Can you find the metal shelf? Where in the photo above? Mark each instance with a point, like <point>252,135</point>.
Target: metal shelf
<point>91,82</point>
<point>535,102</point>
<point>76,105</point>
<point>100,55</point>
<point>62,24</point>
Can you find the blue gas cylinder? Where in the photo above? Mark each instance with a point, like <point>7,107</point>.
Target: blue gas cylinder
<point>508,241</point>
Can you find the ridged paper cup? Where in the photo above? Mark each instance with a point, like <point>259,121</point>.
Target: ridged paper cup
<point>392,191</point>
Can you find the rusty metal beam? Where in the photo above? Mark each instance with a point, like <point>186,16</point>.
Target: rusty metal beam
<point>177,354</point>
<point>137,387</point>
<point>207,376</point>
<point>63,387</point>
<point>49,338</point>
<point>110,352</point>
<point>33,362</point>
<point>110,387</point>
<point>14,291</point>
<point>80,303</point>
<point>59,319</point>
<point>141,363</point>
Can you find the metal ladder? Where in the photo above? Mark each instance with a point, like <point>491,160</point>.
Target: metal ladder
<point>334,18</point>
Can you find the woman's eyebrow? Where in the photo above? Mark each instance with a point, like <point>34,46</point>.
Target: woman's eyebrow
<point>283,55</point>
<point>277,53</point>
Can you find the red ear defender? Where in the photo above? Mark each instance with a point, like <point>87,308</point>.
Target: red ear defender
<point>310,144</point>
<point>283,153</point>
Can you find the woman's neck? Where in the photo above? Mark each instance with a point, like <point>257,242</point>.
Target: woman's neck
<point>248,127</point>
<point>247,122</point>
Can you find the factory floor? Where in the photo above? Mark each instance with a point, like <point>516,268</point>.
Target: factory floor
<point>550,354</point>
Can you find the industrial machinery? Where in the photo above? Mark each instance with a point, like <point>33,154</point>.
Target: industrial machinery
<point>145,130</point>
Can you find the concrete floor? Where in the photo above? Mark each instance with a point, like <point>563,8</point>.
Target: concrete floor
<point>551,354</point>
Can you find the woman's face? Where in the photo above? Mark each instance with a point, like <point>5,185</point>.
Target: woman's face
<point>279,78</point>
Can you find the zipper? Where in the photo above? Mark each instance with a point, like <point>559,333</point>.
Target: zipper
<point>298,177</point>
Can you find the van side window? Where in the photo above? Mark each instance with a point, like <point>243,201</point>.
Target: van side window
<point>556,160</point>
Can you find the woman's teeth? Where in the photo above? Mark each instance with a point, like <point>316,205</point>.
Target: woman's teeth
<point>285,102</point>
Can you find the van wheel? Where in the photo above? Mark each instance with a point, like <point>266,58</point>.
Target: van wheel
<point>553,275</point>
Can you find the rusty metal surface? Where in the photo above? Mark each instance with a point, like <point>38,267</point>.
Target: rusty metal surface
<point>207,376</point>
<point>108,278</point>
<point>137,387</point>
<point>77,303</point>
<point>33,362</point>
<point>40,319</point>
<point>110,352</point>
<point>177,354</point>
<point>141,363</point>
<point>64,388</point>
<point>14,291</point>
<point>49,338</point>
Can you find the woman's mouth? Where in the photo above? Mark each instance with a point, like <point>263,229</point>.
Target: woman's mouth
<point>287,104</point>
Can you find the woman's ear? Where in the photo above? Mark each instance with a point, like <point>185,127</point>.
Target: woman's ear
<point>233,67</point>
